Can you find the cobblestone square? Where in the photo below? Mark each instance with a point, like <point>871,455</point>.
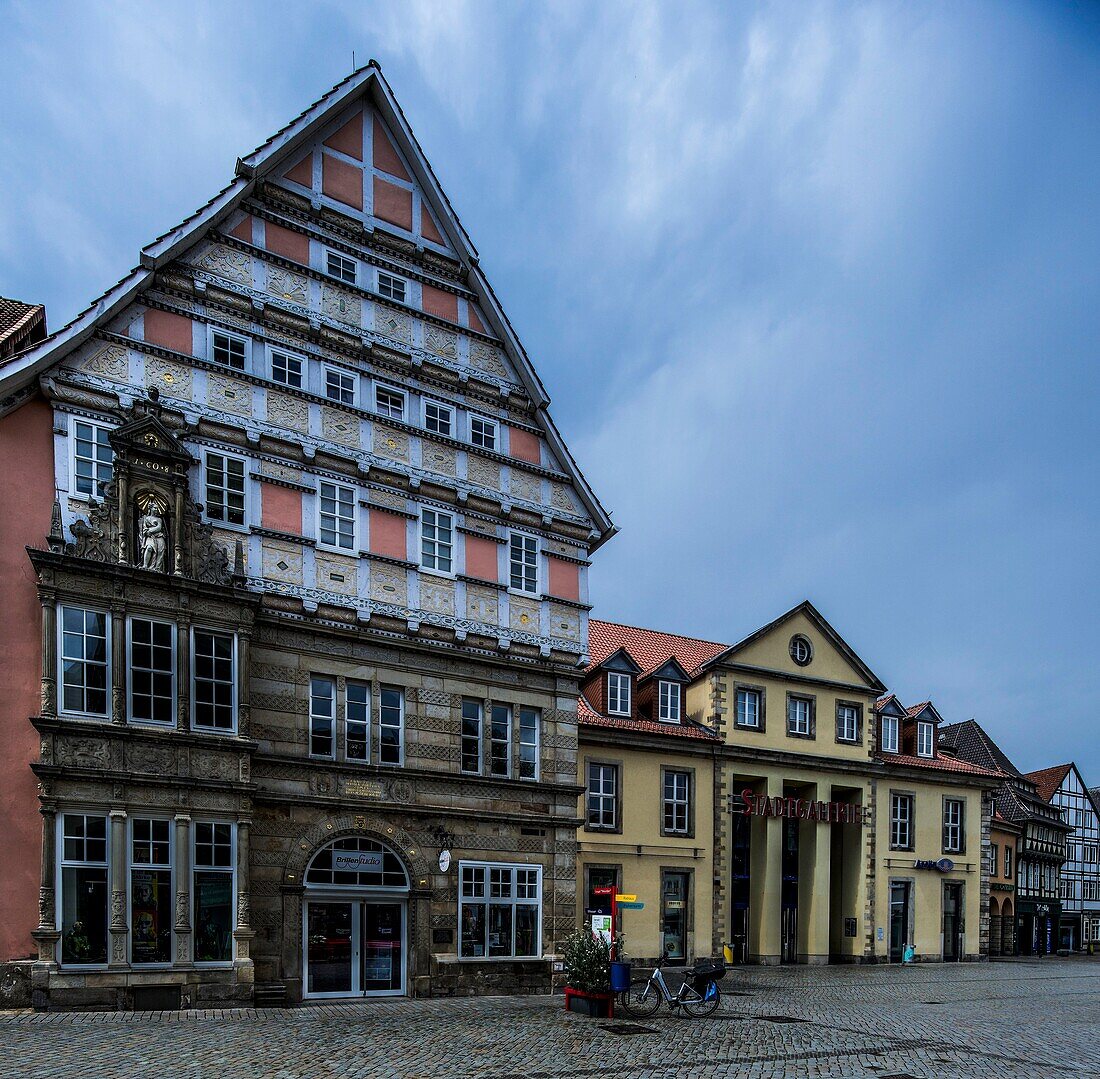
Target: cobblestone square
<point>1036,1019</point>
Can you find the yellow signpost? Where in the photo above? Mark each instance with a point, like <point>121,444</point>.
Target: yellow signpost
<point>626,899</point>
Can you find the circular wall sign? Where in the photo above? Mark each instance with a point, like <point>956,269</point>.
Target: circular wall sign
<point>444,861</point>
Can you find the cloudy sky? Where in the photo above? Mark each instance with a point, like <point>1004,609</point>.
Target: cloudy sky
<point>815,287</point>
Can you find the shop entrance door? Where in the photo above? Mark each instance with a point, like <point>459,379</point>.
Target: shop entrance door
<point>952,921</point>
<point>899,919</point>
<point>789,897</point>
<point>354,948</point>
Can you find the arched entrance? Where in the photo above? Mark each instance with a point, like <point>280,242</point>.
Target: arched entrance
<point>994,927</point>
<point>355,920</point>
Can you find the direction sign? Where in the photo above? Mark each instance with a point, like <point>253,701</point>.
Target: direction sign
<point>630,906</point>
<point>626,899</point>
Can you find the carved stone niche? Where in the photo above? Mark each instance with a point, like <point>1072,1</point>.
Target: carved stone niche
<point>147,517</point>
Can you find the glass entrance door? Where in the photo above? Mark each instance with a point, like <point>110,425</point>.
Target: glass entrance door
<point>899,919</point>
<point>354,948</point>
<point>952,920</point>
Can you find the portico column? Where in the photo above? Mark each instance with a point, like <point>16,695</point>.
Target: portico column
<point>47,934</point>
<point>183,890</point>
<point>766,880</point>
<point>183,672</point>
<point>244,697</point>
<point>243,934</point>
<point>118,664</point>
<point>119,926</point>
<point>817,890</point>
<point>49,656</point>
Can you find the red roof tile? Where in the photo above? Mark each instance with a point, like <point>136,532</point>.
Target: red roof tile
<point>649,648</point>
<point>938,763</point>
<point>586,717</point>
<point>916,709</point>
<point>1048,780</point>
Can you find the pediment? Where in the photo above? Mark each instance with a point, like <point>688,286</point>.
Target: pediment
<point>669,671</point>
<point>621,661</point>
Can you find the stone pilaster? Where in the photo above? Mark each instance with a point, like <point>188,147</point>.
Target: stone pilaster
<point>244,933</point>
<point>47,933</point>
<point>49,656</point>
<point>183,672</point>
<point>183,890</point>
<point>244,699</point>
<point>118,664</point>
<point>119,926</point>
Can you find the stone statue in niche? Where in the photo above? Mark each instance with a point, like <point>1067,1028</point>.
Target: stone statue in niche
<point>152,538</point>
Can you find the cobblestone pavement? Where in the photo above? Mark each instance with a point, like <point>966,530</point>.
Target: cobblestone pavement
<point>1036,1019</point>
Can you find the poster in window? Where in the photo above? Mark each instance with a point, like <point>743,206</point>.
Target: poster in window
<point>150,914</point>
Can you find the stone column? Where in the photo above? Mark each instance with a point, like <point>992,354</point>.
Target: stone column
<point>765,903</point>
<point>244,698</point>
<point>183,890</point>
<point>49,656</point>
<point>118,665</point>
<point>244,933</point>
<point>119,926</point>
<point>814,885</point>
<point>183,672</point>
<point>47,934</point>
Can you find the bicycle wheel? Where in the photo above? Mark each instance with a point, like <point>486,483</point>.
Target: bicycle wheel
<point>641,999</point>
<point>699,1007</point>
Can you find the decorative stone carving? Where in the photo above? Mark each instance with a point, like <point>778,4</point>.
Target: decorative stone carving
<point>228,263</point>
<point>213,766</point>
<point>482,604</point>
<point>280,472</point>
<point>483,473</point>
<point>282,562</point>
<point>391,499</point>
<point>118,910</point>
<point>118,948</point>
<point>183,947</point>
<point>111,362</point>
<point>153,759</point>
<point>524,486</point>
<point>393,324</point>
<point>341,305</point>
<point>287,285</point>
<point>487,358</point>
<point>565,622</point>
<point>441,342</point>
<point>561,498</point>
<point>437,596</point>
<point>170,377</point>
<point>524,614</point>
<point>152,534</point>
<point>393,445</point>
<point>439,459</point>
<point>45,907</point>
<point>183,912</point>
<point>389,584</point>
<point>83,753</point>
<point>242,908</point>
<point>229,395</point>
<point>401,790</point>
<point>339,426</point>
<point>337,574</point>
<point>286,411</point>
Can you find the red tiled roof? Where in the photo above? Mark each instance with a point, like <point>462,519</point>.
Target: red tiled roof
<point>938,763</point>
<point>649,648</point>
<point>1048,780</point>
<point>588,717</point>
<point>916,709</point>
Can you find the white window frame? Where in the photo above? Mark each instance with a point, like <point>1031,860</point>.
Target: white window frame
<point>486,899</point>
<point>669,699</point>
<point>341,373</point>
<point>156,867</point>
<point>245,342</point>
<point>130,620</point>
<point>231,871</point>
<point>442,408</point>
<point>953,829</point>
<point>495,742</point>
<point>108,664</point>
<point>486,434</point>
<point>351,500</point>
<point>205,480</point>
<point>890,731</point>
<point>331,254</point>
<point>757,698</point>
<point>62,862</point>
<point>536,744</point>
<point>366,721</point>
<point>799,709</point>
<point>383,689</point>
<point>437,543</point>
<point>300,360</point>
<point>602,796</point>
<point>926,746</point>
<point>902,822</point>
<point>523,552</point>
<point>618,698</point>
<point>845,714</point>
<point>386,285</point>
<point>232,730</point>
<point>383,387</point>
<point>316,714</point>
<point>464,738</point>
<point>97,428</point>
<point>679,802</point>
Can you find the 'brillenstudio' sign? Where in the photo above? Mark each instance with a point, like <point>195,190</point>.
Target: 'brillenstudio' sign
<point>760,805</point>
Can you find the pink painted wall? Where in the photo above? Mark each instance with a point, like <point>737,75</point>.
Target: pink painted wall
<point>26,493</point>
<point>342,181</point>
<point>388,534</point>
<point>282,508</point>
<point>349,139</point>
<point>481,559</point>
<point>287,242</point>
<point>169,331</point>
<point>473,319</point>
<point>243,231</point>
<point>524,445</point>
<point>438,302</point>
<point>385,156</point>
<point>427,226</point>
<point>565,578</point>
<point>393,204</point>
<point>302,173</point>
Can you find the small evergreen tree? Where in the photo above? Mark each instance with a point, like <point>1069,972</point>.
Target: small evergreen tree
<point>586,957</point>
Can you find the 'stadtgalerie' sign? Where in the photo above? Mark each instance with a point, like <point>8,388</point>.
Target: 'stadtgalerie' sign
<point>760,805</point>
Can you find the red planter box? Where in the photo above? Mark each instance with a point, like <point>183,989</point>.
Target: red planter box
<point>598,1005</point>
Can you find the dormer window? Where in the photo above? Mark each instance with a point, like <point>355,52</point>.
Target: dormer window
<point>889,734</point>
<point>926,740</point>
<point>618,694</point>
<point>668,702</point>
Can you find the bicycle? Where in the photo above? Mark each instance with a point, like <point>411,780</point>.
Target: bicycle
<point>699,995</point>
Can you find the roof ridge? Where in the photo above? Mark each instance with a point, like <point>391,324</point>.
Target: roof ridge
<point>662,632</point>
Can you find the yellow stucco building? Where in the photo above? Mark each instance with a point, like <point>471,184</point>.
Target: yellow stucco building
<point>836,833</point>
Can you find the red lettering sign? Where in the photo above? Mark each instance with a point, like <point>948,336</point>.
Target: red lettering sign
<point>760,805</point>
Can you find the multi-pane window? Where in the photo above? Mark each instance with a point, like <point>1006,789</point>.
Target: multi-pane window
<point>618,694</point>
<point>336,516</point>
<point>529,730</point>
<point>227,349</point>
<point>847,723</point>
<point>152,671</point>
<point>676,802</point>
<point>800,716</point>
<point>1008,862</point>
<point>436,540</point>
<point>389,402</point>
<point>952,826</point>
<point>1090,890</point>
<point>523,556</point>
<point>439,418</point>
<point>471,736</point>
<point>225,488</point>
<point>341,266</point>
<point>212,892</point>
<point>391,724</point>
<point>889,734</point>
<point>668,702</point>
<point>603,783</point>
<point>84,888</point>
<point>93,459</point>
<point>499,908</point>
<point>926,740</point>
<point>500,740</point>
<point>991,863</point>
<point>901,821</point>
<point>393,288</point>
<point>357,721</point>
<point>151,898</point>
<point>213,680</point>
<point>483,432</point>
<point>748,708</point>
<point>340,386</point>
<point>286,369</point>
<point>84,661</point>
<point>322,717</point>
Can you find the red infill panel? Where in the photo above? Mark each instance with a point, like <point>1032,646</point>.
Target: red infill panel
<point>440,303</point>
<point>286,242</point>
<point>393,204</point>
<point>481,558</point>
<point>349,139</point>
<point>524,445</point>
<point>388,534</point>
<point>342,181</point>
<point>385,156</point>
<point>169,331</point>
<point>565,578</point>
<point>282,508</point>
